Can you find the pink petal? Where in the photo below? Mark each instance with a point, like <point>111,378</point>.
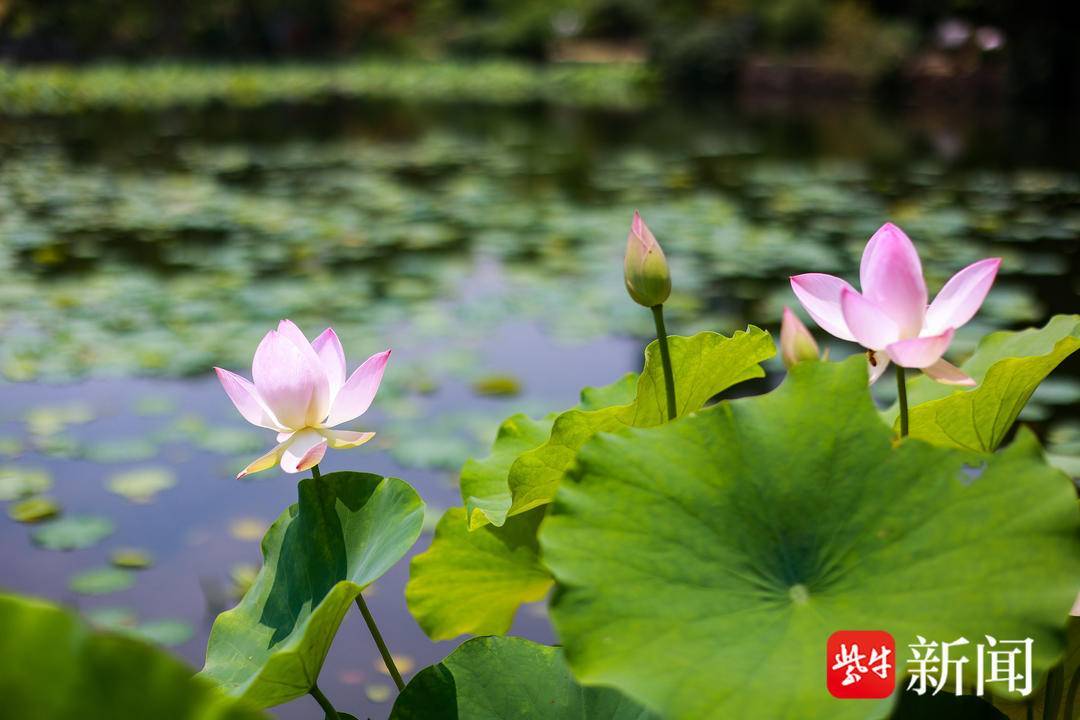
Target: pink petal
<point>320,399</point>
<point>332,356</point>
<point>891,277</point>
<point>877,365</point>
<point>268,460</point>
<point>872,327</point>
<point>948,374</point>
<point>246,399</point>
<point>304,451</point>
<point>345,439</point>
<point>359,390</point>
<point>962,296</point>
<point>820,295</point>
<point>287,379</point>
<point>796,342</point>
<point>920,352</point>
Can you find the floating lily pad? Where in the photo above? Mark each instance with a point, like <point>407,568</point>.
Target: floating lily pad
<point>378,692</point>
<point>404,663</point>
<point>73,532</point>
<point>142,485</point>
<point>131,558</point>
<point>248,529</point>
<point>34,510</point>
<point>765,503</point>
<point>167,633</point>
<point>17,482</point>
<point>115,451</point>
<point>101,581</point>
<point>10,447</point>
<point>497,386</point>
<point>112,618</point>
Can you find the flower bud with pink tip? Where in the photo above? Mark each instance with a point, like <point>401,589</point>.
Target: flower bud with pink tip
<point>300,390</point>
<point>891,317</point>
<point>796,342</point>
<point>648,279</point>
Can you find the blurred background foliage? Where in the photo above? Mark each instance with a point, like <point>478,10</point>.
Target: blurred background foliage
<point>950,48</point>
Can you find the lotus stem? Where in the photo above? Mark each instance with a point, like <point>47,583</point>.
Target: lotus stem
<point>901,394</point>
<point>315,474</point>
<point>388,659</point>
<point>324,702</point>
<point>665,358</point>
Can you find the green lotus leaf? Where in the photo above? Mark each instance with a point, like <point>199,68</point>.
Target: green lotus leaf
<point>16,482</point>
<point>102,581</point>
<point>508,678</point>
<point>484,489</point>
<point>704,365</point>
<point>34,509</point>
<point>65,670</point>
<point>141,485</point>
<point>346,531</point>
<point>1008,367</point>
<point>474,582</point>
<point>702,565</point>
<point>73,532</point>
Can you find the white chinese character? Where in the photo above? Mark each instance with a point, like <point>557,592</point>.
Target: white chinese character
<point>933,671</point>
<point>852,660</point>
<point>1002,665</point>
<point>879,661</point>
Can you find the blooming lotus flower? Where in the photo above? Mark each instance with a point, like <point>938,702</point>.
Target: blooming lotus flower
<point>890,317</point>
<point>645,268</point>
<point>300,391</point>
<point>796,342</point>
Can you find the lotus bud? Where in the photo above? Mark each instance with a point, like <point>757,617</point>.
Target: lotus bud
<point>796,342</point>
<point>648,279</point>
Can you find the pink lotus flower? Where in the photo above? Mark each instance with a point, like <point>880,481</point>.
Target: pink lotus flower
<point>300,391</point>
<point>890,318</point>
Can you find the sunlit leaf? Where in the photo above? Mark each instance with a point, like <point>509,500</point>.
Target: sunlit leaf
<point>744,536</point>
<point>474,581</point>
<point>1008,367</point>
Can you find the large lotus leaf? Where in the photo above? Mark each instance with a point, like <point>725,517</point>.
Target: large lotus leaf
<point>702,565</point>
<point>346,530</point>
<point>508,678</point>
<point>1008,367</point>
<point>474,582</point>
<point>703,365</point>
<point>57,668</point>
<point>485,489</point>
<point>483,482</point>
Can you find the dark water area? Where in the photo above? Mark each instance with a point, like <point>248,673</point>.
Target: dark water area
<point>139,250</point>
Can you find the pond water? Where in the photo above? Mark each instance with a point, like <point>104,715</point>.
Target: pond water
<point>484,245</point>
